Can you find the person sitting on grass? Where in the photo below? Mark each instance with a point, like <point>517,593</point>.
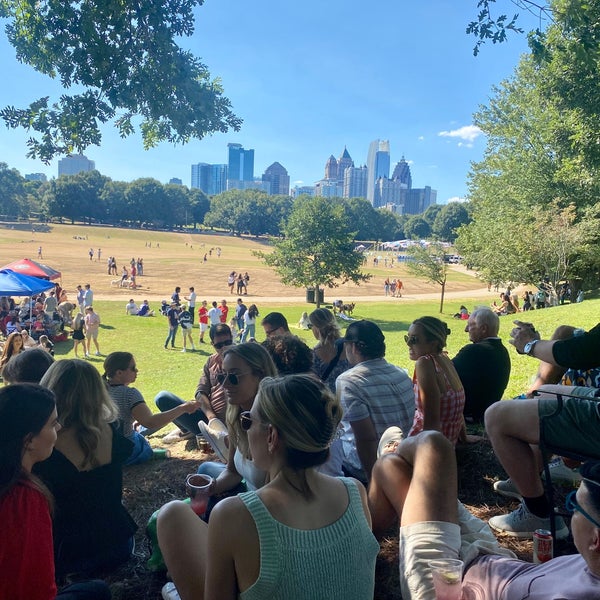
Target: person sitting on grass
<point>92,529</point>
<point>304,535</point>
<point>28,416</point>
<point>120,370</point>
<point>417,484</point>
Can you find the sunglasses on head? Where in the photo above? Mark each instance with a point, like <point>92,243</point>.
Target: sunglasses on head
<point>246,420</point>
<point>572,505</point>
<point>220,345</point>
<point>233,378</point>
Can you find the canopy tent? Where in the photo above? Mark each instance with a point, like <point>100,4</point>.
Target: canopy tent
<point>16,284</point>
<point>32,268</point>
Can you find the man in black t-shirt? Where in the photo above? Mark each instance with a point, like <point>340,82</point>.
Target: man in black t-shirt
<point>484,365</point>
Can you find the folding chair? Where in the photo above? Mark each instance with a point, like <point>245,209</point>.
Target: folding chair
<point>548,450</point>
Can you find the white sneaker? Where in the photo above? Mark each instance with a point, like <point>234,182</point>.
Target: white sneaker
<point>177,436</point>
<point>184,350</point>
<point>215,433</point>
<point>559,472</point>
<point>169,592</point>
<point>521,523</point>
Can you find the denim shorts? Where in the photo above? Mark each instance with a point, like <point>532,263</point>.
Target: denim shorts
<point>576,427</point>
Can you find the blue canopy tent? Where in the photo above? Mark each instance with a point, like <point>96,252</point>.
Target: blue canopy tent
<point>15,284</point>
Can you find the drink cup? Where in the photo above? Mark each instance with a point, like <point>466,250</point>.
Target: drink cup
<point>198,489</point>
<point>447,578</point>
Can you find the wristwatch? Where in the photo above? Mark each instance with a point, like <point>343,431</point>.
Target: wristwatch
<point>528,348</point>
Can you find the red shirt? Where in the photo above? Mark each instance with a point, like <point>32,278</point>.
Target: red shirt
<point>203,314</point>
<point>26,550</point>
<point>224,310</point>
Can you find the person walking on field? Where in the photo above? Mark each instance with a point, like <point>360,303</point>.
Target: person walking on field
<point>92,326</point>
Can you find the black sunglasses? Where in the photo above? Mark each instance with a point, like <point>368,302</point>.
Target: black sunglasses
<point>233,378</point>
<point>411,340</point>
<point>220,345</point>
<point>246,420</point>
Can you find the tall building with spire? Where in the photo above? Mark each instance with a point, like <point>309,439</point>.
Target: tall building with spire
<point>344,162</point>
<point>332,185</point>
<point>402,173</point>
<point>378,165</point>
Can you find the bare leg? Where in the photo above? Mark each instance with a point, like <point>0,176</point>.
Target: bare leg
<point>182,538</point>
<point>512,426</point>
<point>418,483</point>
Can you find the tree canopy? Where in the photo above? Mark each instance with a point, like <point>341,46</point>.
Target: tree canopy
<point>533,194</point>
<point>123,59</point>
<point>317,249</point>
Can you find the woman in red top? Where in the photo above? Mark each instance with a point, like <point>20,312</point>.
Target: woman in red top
<point>29,422</point>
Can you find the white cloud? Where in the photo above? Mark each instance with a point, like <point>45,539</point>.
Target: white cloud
<point>468,134</point>
<point>455,199</point>
<point>299,182</point>
<point>421,138</point>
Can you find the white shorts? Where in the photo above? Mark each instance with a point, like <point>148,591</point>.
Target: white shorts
<point>203,327</point>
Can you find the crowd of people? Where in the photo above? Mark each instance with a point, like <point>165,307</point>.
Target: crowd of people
<point>318,451</point>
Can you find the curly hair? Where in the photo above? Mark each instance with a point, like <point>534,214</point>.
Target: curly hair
<point>289,353</point>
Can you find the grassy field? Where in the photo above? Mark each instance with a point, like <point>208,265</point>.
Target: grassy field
<point>179,373</point>
<point>176,259</point>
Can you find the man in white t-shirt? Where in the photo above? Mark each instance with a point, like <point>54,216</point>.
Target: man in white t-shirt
<point>131,308</point>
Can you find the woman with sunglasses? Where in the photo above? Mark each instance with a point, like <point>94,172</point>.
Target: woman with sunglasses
<point>30,425</point>
<point>120,371</point>
<point>304,535</point>
<point>244,366</point>
<point>439,393</point>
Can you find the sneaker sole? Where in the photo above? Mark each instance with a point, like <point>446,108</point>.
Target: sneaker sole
<point>507,493</point>
<point>213,441</point>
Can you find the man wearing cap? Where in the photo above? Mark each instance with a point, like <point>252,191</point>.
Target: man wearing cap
<point>374,394</point>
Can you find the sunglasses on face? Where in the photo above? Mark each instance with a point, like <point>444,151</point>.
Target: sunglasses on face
<point>572,505</point>
<point>232,378</point>
<point>220,345</point>
<point>411,340</point>
<point>246,420</point>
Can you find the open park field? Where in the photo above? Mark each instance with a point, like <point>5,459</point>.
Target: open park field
<point>176,259</point>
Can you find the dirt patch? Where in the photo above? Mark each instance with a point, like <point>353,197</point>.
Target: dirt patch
<point>172,259</point>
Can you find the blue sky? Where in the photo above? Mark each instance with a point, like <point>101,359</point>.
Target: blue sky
<point>311,77</point>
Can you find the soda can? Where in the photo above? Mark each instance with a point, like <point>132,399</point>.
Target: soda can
<point>543,546</point>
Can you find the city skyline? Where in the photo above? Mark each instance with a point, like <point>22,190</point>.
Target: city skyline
<point>313,85</point>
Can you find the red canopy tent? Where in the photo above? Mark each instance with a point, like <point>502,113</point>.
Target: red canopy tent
<point>32,268</point>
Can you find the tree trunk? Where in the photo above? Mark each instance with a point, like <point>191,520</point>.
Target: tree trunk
<point>317,296</point>
<point>442,298</point>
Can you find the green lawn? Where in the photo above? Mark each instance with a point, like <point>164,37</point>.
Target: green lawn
<point>172,370</point>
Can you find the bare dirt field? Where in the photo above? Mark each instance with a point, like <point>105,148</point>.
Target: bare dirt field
<point>172,259</point>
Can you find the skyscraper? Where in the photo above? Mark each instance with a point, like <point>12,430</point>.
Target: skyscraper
<point>76,163</point>
<point>355,182</point>
<point>402,173</point>
<point>240,165</point>
<point>378,165</point>
<point>344,161</point>
<point>279,179</point>
<point>211,179</point>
